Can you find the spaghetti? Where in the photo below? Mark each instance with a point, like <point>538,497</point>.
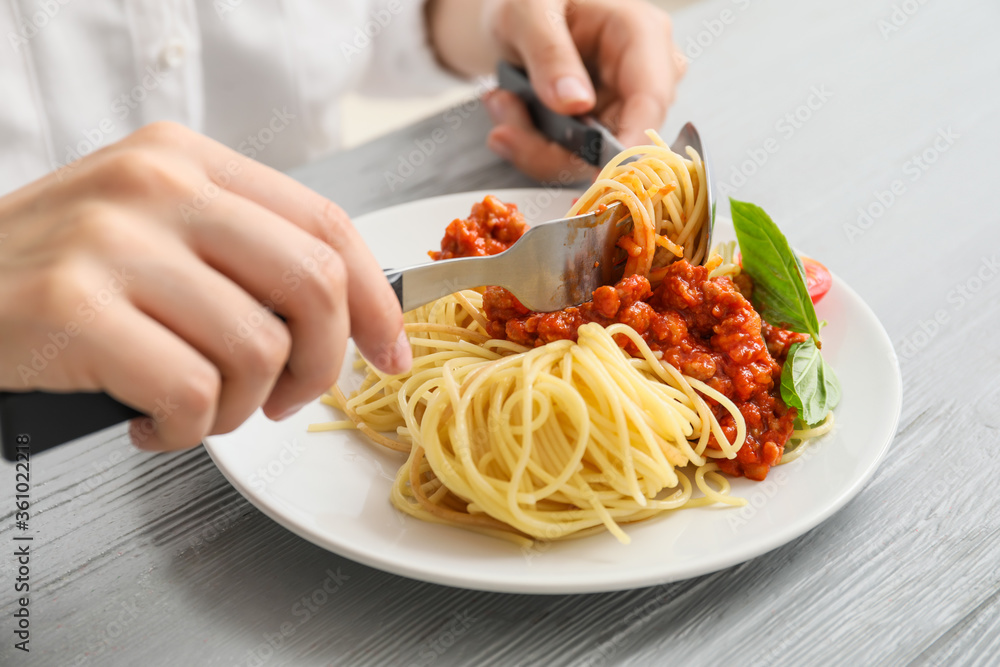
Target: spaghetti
<point>667,198</point>
<point>537,442</point>
<point>543,426</point>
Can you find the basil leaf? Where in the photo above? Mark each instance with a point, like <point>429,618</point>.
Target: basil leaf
<point>780,293</point>
<point>808,382</point>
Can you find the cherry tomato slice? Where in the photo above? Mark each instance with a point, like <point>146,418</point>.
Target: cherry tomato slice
<point>818,278</point>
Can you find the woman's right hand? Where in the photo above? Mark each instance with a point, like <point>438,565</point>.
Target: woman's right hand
<point>150,270</point>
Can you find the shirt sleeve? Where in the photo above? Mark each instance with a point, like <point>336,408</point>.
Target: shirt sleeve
<point>403,61</point>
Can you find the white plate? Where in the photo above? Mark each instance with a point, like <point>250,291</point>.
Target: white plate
<point>333,488</point>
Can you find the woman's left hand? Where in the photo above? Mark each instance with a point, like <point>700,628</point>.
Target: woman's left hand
<point>624,46</point>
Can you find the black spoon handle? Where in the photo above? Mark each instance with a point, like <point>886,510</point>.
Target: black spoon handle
<point>43,420</point>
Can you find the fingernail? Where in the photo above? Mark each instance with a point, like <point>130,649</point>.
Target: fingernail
<point>633,139</point>
<point>571,89</point>
<point>290,411</point>
<point>140,431</point>
<point>495,107</point>
<point>402,354</point>
<point>500,147</point>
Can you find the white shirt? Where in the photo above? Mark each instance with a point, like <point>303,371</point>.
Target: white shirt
<point>262,76</point>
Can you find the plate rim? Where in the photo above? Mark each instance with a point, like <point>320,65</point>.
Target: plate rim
<point>615,581</point>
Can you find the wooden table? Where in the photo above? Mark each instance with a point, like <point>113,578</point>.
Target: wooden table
<point>814,110</point>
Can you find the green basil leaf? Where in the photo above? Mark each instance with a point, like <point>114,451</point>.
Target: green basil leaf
<point>809,383</point>
<point>780,293</point>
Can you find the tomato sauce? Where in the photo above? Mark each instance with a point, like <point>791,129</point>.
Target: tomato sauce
<point>703,327</point>
<point>491,228</point>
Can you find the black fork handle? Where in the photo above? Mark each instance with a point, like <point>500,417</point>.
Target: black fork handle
<point>42,420</point>
<point>570,132</point>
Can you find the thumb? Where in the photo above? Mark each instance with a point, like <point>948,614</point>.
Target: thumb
<point>538,32</point>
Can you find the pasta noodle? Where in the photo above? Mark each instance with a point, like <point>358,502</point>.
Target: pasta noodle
<point>667,198</point>
<point>572,436</point>
<point>605,436</point>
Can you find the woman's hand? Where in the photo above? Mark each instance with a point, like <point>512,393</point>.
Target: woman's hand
<point>625,45</point>
<point>155,269</point>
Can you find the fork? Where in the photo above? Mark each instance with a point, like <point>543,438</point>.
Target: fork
<point>568,258</point>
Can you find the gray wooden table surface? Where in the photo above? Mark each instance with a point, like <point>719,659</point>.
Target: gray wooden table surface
<point>156,560</point>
